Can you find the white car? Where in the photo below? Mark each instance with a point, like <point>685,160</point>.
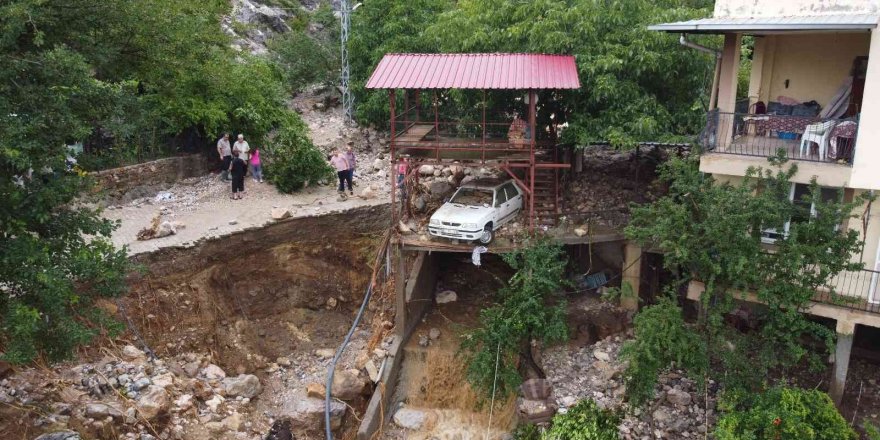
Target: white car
<point>477,210</point>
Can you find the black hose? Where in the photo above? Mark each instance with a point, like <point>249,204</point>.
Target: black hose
<point>341,349</point>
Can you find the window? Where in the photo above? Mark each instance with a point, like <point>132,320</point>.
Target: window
<point>500,197</point>
<point>511,190</point>
<point>472,197</point>
<point>799,195</point>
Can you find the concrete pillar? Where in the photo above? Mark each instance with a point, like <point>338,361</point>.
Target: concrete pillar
<point>845,332</point>
<point>864,170</point>
<point>632,273</point>
<point>756,75</point>
<point>727,88</point>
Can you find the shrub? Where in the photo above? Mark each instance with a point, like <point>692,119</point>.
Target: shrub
<point>291,160</point>
<point>531,307</point>
<point>661,338</point>
<point>584,421</point>
<point>785,414</point>
<point>526,431</point>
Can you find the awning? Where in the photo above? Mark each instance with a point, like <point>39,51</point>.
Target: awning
<point>762,25</point>
<point>475,71</point>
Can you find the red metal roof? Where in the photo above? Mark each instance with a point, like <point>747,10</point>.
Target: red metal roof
<point>475,71</point>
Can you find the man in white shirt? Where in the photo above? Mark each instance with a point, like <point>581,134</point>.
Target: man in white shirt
<point>241,148</point>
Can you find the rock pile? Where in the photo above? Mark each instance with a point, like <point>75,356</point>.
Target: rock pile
<point>595,372</point>
<point>137,398</point>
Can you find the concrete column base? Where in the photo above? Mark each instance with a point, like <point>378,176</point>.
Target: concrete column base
<point>845,332</point>
<point>632,275</point>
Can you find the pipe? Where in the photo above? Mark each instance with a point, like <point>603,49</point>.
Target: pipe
<point>329,386</point>
<point>716,76</point>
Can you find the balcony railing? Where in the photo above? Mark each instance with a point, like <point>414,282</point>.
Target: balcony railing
<point>855,290</point>
<point>808,138</point>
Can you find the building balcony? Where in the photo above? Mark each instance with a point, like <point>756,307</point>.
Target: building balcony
<point>804,138</point>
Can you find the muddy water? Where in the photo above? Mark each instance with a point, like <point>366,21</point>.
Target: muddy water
<point>433,379</point>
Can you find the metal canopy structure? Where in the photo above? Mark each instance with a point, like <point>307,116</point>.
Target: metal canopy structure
<point>516,71</point>
<point>525,151</point>
<point>759,25</point>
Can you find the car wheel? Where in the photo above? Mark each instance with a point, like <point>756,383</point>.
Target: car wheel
<point>487,236</point>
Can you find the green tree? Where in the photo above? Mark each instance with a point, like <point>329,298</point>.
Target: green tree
<point>636,84</point>
<point>712,232</point>
<point>531,307</point>
<point>387,26</point>
<point>584,421</point>
<point>134,71</point>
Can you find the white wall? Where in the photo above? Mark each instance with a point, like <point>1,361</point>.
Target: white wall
<point>815,65</point>
<point>776,8</point>
<point>866,164</point>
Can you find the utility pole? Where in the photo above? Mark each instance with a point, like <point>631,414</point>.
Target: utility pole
<point>347,104</point>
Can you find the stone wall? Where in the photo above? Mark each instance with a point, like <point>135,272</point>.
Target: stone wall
<point>155,175</point>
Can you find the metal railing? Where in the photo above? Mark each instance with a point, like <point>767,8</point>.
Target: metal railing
<point>807,138</point>
<point>856,290</point>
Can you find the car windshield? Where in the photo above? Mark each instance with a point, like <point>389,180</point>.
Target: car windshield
<point>472,197</point>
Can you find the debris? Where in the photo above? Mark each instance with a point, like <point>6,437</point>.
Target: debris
<point>325,353</point>
<point>409,418</point>
<point>536,389</point>
<point>153,403</point>
<point>475,256</point>
<point>580,232</point>
<point>434,334</point>
<point>163,196</point>
<point>446,296</point>
<point>601,355</point>
<point>347,385</point>
<point>331,303</point>
<point>245,385</point>
<point>233,222</point>
<point>213,372</point>
<point>132,354</point>
<point>372,370</point>
<point>280,213</point>
<point>316,390</point>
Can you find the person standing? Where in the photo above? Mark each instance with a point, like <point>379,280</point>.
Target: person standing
<point>225,152</point>
<point>402,169</point>
<point>349,156</point>
<point>340,164</point>
<point>237,168</point>
<point>256,166</point>
<point>241,149</point>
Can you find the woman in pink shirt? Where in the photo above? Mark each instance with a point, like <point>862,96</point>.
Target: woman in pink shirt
<point>402,168</point>
<point>340,163</point>
<point>256,166</point>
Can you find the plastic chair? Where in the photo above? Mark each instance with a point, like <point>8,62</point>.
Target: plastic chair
<point>818,133</point>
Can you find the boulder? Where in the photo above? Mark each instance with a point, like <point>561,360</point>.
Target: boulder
<point>434,334</point>
<point>212,372</point>
<point>601,355</point>
<point>316,390</point>
<point>419,204</point>
<point>245,385</point>
<point>164,380</point>
<point>372,370</point>
<point>678,397</point>
<point>153,402</point>
<point>347,385</point>
<point>60,435</point>
<point>280,213</point>
<point>100,411</point>
<point>446,296</point>
<point>378,164</point>
<point>368,193</point>
<point>409,418</point>
<point>130,353</point>
<point>426,170</point>
<point>580,232</point>
<point>184,402</point>
<point>214,402</point>
<point>325,353</point>
<point>440,189</point>
<point>308,414</point>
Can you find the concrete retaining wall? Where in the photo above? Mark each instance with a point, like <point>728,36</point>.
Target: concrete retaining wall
<point>415,295</point>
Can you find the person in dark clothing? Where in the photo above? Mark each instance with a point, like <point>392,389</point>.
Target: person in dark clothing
<point>238,168</point>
